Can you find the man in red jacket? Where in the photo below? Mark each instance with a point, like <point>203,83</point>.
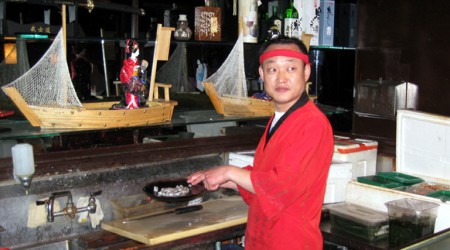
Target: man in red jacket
<point>285,187</point>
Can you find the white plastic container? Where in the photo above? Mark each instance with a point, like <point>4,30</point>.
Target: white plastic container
<point>338,177</point>
<point>362,153</point>
<point>241,159</point>
<point>359,221</point>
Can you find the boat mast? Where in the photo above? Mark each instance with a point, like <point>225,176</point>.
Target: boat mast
<point>63,11</point>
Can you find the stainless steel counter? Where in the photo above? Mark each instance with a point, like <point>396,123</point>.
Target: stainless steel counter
<point>21,129</point>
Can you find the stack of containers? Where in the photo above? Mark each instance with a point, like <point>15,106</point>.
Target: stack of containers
<point>361,153</point>
<point>351,158</point>
<point>340,174</point>
<point>422,151</point>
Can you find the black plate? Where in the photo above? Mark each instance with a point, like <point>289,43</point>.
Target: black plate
<point>194,191</point>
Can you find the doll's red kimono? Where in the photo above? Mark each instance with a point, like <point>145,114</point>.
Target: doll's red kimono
<point>129,76</point>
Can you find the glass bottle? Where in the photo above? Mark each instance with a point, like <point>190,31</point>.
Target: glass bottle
<point>183,32</point>
<point>252,21</point>
<point>275,24</point>
<point>263,21</point>
<point>291,22</point>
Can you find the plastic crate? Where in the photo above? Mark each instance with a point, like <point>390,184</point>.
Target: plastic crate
<point>404,179</point>
<point>379,181</point>
<point>443,195</point>
<point>359,221</point>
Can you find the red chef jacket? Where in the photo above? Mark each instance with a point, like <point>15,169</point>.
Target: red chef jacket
<point>289,177</point>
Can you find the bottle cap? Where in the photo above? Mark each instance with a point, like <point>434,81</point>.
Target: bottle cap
<point>182,18</point>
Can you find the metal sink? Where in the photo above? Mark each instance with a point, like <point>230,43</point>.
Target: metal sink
<point>57,245</point>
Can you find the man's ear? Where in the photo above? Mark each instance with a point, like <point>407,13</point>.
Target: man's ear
<point>307,71</point>
<point>261,72</point>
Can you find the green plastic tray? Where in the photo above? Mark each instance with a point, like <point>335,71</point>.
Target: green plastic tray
<point>379,181</point>
<point>443,195</point>
<point>401,178</point>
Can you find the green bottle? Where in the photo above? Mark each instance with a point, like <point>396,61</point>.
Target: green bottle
<point>263,21</point>
<point>275,24</point>
<point>291,22</point>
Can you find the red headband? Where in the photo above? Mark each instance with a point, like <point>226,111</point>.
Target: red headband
<point>284,52</point>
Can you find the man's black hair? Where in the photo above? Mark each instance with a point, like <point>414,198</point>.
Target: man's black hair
<point>284,40</point>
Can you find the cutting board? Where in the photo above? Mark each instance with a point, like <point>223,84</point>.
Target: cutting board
<point>216,214</point>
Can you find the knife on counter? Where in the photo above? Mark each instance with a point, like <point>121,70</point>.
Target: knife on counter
<point>180,210</point>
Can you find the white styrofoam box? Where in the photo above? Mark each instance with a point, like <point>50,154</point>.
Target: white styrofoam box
<point>385,163</point>
<point>209,129</point>
<point>422,150</point>
<point>362,153</point>
<point>241,159</point>
<point>423,145</point>
<point>338,177</point>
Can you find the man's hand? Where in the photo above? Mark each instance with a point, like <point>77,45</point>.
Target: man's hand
<point>212,179</point>
<point>196,178</point>
<point>222,177</point>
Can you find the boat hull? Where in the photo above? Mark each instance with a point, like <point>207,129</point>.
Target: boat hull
<point>95,115</point>
<point>234,106</point>
<point>98,115</point>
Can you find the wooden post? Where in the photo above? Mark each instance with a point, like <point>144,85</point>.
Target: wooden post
<point>63,11</point>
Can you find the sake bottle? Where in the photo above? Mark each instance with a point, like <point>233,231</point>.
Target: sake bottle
<point>291,22</point>
<point>252,22</point>
<point>275,24</point>
<point>263,21</point>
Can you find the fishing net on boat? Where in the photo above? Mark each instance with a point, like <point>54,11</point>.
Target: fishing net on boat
<point>229,79</point>
<point>174,71</point>
<point>48,83</point>
<point>15,64</point>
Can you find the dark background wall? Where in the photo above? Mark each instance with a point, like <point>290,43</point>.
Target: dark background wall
<point>404,40</point>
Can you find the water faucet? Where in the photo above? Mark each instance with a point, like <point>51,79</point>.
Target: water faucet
<point>92,206</point>
<point>70,210</point>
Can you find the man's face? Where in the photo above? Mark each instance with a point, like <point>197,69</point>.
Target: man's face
<point>284,77</point>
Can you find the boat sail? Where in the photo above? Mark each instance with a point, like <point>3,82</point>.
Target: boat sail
<point>227,88</point>
<point>47,98</point>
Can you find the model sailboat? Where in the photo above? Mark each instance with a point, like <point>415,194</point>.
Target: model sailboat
<point>47,98</point>
<point>227,88</point>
